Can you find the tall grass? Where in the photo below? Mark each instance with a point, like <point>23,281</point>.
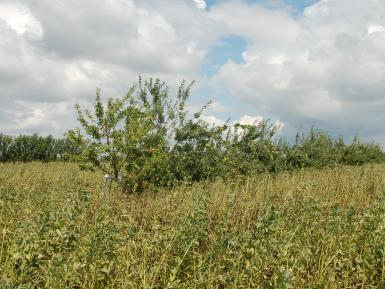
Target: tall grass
<point>305,229</point>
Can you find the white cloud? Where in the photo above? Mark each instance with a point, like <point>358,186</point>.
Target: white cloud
<point>216,106</point>
<point>324,68</point>
<point>268,28</point>
<point>375,29</point>
<point>255,120</point>
<point>212,120</point>
<point>243,120</point>
<point>58,53</point>
<point>19,18</point>
<point>250,120</point>
<point>279,125</point>
<point>29,117</point>
<point>145,36</point>
<point>201,4</point>
<point>327,69</point>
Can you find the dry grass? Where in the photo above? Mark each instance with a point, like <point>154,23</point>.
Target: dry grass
<point>307,229</point>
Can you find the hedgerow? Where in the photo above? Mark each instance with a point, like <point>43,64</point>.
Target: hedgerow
<point>148,139</point>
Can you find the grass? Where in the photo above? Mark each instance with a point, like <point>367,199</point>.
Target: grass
<point>307,229</point>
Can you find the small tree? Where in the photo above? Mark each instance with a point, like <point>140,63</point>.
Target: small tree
<point>128,138</point>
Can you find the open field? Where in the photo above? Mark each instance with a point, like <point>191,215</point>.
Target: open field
<point>306,229</point>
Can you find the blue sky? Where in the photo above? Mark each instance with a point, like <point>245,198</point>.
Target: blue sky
<point>298,5</point>
<point>229,48</point>
<point>322,66</point>
<point>232,47</point>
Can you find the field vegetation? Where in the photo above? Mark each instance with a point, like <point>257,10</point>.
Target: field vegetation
<point>308,228</point>
<point>145,194</point>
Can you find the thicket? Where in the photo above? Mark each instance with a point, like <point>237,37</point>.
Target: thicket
<point>148,139</point>
<point>26,148</point>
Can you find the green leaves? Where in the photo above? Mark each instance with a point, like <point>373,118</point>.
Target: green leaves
<point>126,138</point>
<point>147,139</point>
<point>27,148</point>
<point>305,229</point>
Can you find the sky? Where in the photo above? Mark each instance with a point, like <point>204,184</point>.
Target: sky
<point>298,63</point>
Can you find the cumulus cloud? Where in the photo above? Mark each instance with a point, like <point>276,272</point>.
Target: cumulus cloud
<point>135,34</point>
<point>324,67</point>
<point>201,4</point>
<point>212,120</point>
<point>250,120</point>
<point>217,106</point>
<point>19,18</point>
<point>376,29</point>
<point>243,120</point>
<point>327,69</point>
<point>265,27</point>
<point>57,53</point>
<point>30,117</point>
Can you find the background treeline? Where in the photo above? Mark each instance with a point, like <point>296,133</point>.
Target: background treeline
<point>35,148</point>
<point>254,151</point>
<point>148,139</point>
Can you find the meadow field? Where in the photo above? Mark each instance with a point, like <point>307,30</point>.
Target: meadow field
<point>310,228</point>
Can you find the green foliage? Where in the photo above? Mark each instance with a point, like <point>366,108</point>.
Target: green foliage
<point>310,228</point>
<point>253,149</point>
<point>35,148</point>
<point>199,151</point>
<point>358,153</point>
<point>127,138</point>
<point>148,139</point>
<point>319,150</point>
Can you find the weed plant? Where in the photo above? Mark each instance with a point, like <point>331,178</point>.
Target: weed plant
<point>310,228</point>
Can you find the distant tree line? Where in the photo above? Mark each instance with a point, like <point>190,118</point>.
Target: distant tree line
<point>148,139</point>
<point>27,148</point>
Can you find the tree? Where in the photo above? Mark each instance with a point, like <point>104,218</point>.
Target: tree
<point>128,137</point>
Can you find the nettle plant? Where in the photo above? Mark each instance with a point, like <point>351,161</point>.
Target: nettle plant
<point>129,138</point>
